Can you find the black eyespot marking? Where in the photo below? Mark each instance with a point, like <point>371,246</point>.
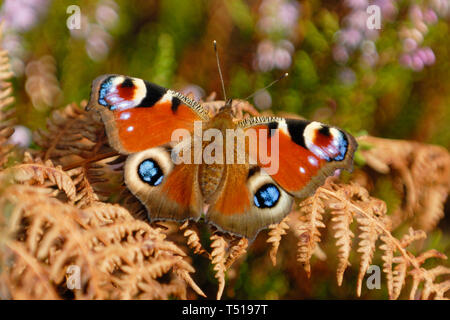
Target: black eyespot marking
<point>252,171</point>
<point>325,131</point>
<point>296,129</point>
<point>150,172</point>
<point>175,104</point>
<point>272,126</point>
<point>152,95</point>
<point>127,83</point>
<point>267,196</point>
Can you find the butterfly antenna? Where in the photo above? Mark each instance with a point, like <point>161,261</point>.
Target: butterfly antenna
<point>220,71</point>
<point>268,86</point>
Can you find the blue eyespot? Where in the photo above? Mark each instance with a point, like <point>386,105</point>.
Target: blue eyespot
<point>104,88</point>
<point>343,144</point>
<point>267,196</point>
<point>150,172</point>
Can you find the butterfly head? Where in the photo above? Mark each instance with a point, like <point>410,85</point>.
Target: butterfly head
<point>227,108</point>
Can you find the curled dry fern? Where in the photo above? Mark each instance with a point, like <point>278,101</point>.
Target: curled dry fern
<point>6,99</point>
<point>119,256</point>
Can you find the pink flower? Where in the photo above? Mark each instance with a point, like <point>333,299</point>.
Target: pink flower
<point>350,37</point>
<point>357,4</point>
<point>430,16</point>
<point>340,54</point>
<point>21,136</point>
<point>405,60</point>
<point>409,45</point>
<point>417,63</point>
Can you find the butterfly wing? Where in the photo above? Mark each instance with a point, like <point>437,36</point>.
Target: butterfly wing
<point>139,115</point>
<point>308,152</point>
<point>248,200</point>
<point>301,153</point>
<point>140,118</point>
<point>167,190</point>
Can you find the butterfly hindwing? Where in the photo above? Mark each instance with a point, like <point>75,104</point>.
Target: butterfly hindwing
<point>139,115</point>
<point>308,152</point>
<point>167,190</point>
<point>248,201</point>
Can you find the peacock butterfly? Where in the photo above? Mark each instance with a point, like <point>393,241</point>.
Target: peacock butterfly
<point>242,194</point>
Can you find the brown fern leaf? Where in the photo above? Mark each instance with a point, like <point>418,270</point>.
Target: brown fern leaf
<point>193,239</point>
<point>218,259</point>
<point>34,171</point>
<point>121,257</point>
<point>236,251</point>
<point>388,248</point>
<point>342,218</point>
<point>308,232</point>
<point>420,173</point>
<point>76,139</point>
<point>369,236</point>
<point>398,261</point>
<point>6,100</point>
<point>275,234</point>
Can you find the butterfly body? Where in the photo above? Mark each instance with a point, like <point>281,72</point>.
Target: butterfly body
<point>240,175</point>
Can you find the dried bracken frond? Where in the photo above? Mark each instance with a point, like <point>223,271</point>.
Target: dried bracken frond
<point>34,171</point>
<point>218,259</point>
<point>374,224</point>
<point>6,100</point>
<point>76,139</point>
<point>193,239</point>
<point>370,232</point>
<point>121,257</point>
<point>275,234</point>
<point>311,211</point>
<point>420,173</point>
<point>342,218</point>
<point>236,251</point>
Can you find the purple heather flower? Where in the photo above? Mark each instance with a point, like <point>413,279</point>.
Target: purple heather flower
<point>415,13</point>
<point>282,58</point>
<point>262,100</point>
<point>21,136</point>
<point>357,20</point>
<point>430,57</point>
<point>350,37</point>
<point>22,15</point>
<point>106,14</point>
<point>197,91</point>
<point>97,43</point>
<point>387,7</point>
<point>405,60</point>
<point>340,54</point>
<point>409,45</point>
<point>430,16</point>
<point>357,4</point>
<point>417,63</point>
<point>288,14</point>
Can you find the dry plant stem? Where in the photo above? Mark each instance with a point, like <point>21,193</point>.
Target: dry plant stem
<point>96,158</point>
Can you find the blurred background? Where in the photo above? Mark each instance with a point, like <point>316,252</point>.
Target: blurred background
<point>390,81</point>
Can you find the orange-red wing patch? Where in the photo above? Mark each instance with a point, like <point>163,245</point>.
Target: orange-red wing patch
<point>322,140</point>
<point>143,128</point>
<point>179,185</point>
<point>296,165</point>
<point>126,92</point>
